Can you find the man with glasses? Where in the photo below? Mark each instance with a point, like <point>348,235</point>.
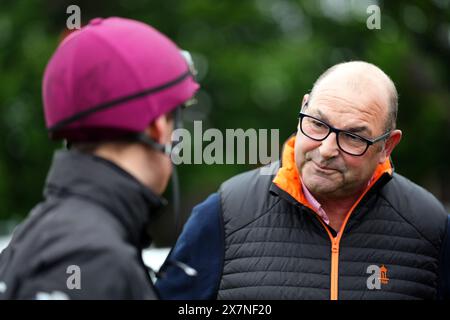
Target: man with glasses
<point>333,221</point>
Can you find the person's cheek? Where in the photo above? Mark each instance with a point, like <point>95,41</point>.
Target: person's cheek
<point>354,167</point>
<point>311,150</point>
<point>301,154</point>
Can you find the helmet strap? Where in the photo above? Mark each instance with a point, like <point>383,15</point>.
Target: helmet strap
<point>167,149</point>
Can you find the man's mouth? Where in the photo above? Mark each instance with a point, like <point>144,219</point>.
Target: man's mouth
<point>323,169</point>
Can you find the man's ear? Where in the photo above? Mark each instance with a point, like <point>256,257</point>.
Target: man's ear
<point>305,100</point>
<point>390,144</point>
<point>160,129</point>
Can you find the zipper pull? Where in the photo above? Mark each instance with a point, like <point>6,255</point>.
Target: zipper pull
<point>335,247</point>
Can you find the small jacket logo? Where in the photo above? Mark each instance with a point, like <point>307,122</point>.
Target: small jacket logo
<point>383,278</point>
<point>378,276</point>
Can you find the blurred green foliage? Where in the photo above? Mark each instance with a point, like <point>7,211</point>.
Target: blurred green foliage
<point>256,59</point>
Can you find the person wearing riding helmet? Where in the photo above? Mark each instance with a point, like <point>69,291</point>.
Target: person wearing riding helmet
<point>112,91</point>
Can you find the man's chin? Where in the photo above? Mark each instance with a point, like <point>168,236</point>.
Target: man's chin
<point>322,190</point>
<point>320,185</point>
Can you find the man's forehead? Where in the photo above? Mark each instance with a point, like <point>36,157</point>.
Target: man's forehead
<point>344,99</point>
<point>343,120</point>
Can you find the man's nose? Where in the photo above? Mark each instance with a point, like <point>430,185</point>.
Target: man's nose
<point>329,148</point>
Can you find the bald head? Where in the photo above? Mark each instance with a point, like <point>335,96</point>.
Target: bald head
<point>364,79</point>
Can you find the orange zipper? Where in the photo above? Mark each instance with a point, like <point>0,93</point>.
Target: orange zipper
<point>335,242</point>
<point>334,285</point>
<point>334,268</point>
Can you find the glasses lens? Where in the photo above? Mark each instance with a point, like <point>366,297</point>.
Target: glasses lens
<point>313,128</point>
<point>351,143</point>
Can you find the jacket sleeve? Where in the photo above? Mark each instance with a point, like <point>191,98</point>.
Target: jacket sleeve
<point>200,246</point>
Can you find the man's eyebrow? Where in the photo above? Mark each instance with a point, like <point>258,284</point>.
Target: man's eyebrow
<point>356,129</point>
<point>321,115</point>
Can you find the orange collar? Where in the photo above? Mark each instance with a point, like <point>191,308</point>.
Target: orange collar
<point>289,180</point>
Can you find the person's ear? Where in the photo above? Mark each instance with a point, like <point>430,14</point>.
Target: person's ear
<point>160,130</point>
<point>390,144</point>
<point>305,100</point>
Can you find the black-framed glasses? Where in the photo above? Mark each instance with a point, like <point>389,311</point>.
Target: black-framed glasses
<point>348,142</point>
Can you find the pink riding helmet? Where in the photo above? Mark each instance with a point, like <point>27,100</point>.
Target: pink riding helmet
<point>113,75</point>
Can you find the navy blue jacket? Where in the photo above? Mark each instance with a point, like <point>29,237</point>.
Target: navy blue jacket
<point>201,246</point>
